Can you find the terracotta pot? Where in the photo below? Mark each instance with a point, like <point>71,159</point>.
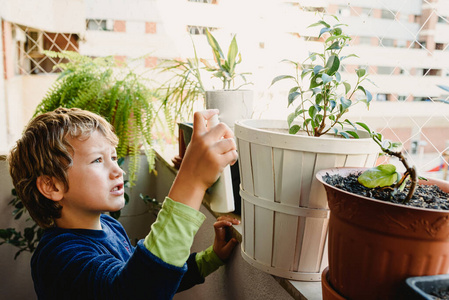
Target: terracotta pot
<point>375,245</point>
<point>328,291</point>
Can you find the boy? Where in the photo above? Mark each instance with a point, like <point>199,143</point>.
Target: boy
<point>65,170</point>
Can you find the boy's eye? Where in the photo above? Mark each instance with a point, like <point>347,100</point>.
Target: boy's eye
<point>98,160</point>
<point>114,158</point>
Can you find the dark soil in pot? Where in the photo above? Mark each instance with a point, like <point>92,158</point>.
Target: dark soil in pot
<point>441,294</point>
<point>425,196</point>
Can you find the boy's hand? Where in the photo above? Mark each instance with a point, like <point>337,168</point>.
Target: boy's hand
<point>209,152</point>
<point>222,247</point>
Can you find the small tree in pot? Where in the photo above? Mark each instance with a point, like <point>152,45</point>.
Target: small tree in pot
<point>324,98</point>
<point>285,212</point>
<point>374,245</point>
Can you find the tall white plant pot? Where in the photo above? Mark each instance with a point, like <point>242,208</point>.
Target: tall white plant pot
<point>284,208</point>
<point>233,104</point>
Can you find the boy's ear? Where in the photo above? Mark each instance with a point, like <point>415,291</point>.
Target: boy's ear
<point>50,187</point>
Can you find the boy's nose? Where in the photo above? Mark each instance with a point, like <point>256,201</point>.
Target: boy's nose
<point>116,171</point>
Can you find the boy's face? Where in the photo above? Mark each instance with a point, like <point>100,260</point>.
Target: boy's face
<point>95,179</point>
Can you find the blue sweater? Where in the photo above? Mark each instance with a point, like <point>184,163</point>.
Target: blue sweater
<point>102,264</point>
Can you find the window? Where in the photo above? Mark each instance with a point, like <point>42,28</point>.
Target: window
<point>198,30</point>
<point>387,14</point>
<point>442,20</point>
<point>314,9</point>
<point>431,72</point>
<point>365,40</point>
<point>344,11</point>
<point>204,1</point>
<point>381,97</point>
<point>95,24</point>
<point>366,12</point>
<point>387,42</point>
<point>439,46</point>
<point>382,70</point>
<point>401,43</point>
<point>419,45</point>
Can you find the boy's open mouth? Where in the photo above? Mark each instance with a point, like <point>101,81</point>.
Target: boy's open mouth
<point>118,187</point>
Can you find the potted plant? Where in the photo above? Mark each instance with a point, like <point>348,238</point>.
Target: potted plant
<point>124,98</point>
<point>185,85</point>
<point>234,103</point>
<point>284,208</point>
<point>374,245</point>
<point>112,90</point>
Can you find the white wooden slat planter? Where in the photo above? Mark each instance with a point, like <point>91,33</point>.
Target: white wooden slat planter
<point>284,208</point>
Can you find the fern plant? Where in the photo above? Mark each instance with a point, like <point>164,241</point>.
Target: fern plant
<point>113,91</point>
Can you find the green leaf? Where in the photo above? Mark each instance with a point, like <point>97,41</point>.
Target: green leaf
<point>344,134</point>
<point>293,89</point>
<point>364,126</point>
<point>332,65</point>
<point>291,117</point>
<point>312,111</point>
<point>337,31</point>
<point>345,103</point>
<point>323,30</point>
<point>294,129</point>
<point>347,87</point>
<point>319,23</point>
<point>314,82</point>
<point>369,97</point>
<point>334,46</point>
<point>305,72</point>
<point>316,90</point>
<point>380,176</point>
<point>361,72</point>
<point>352,133</point>
<point>348,56</point>
<point>299,110</point>
<point>326,78</point>
<point>312,56</point>
<point>338,76</point>
<point>333,38</point>
<point>232,54</point>
<point>216,50</point>
<point>292,97</point>
<point>318,99</point>
<point>332,104</point>
<point>317,69</point>
<point>281,77</point>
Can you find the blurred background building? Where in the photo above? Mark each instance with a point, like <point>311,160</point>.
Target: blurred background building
<point>403,44</point>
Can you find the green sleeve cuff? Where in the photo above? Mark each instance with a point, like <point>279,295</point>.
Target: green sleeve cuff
<point>171,235</point>
<point>208,261</point>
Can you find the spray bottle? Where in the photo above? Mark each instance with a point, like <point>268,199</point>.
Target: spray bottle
<point>221,193</point>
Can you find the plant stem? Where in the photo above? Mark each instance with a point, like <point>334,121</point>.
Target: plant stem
<point>410,171</point>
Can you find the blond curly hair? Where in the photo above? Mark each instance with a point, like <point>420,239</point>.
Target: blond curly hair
<point>43,150</point>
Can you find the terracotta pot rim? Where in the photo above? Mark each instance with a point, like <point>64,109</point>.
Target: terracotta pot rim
<point>351,170</point>
<point>329,292</point>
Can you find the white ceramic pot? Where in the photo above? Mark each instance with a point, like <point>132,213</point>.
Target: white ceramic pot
<point>233,104</point>
<point>284,208</point>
